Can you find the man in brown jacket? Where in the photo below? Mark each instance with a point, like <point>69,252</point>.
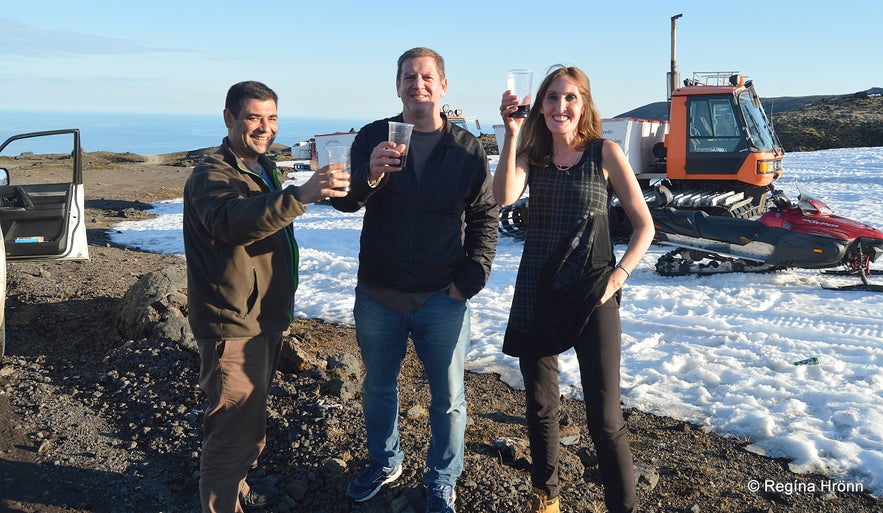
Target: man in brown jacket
<point>241,276</point>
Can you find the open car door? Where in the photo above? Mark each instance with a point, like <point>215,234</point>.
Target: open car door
<point>42,204</point>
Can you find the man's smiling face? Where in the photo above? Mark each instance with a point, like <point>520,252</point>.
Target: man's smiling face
<point>421,86</point>
<point>253,129</point>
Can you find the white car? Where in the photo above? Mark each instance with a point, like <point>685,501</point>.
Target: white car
<point>41,203</point>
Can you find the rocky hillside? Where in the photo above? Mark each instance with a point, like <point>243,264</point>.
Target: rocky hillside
<point>848,121</point>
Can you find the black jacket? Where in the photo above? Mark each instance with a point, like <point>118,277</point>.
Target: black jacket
<point>421,235</point>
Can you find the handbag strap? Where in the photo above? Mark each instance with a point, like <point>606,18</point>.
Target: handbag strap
<point>587,221</point>
<point>577,240</point>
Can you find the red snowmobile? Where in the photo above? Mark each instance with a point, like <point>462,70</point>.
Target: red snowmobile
<point>806,234</point>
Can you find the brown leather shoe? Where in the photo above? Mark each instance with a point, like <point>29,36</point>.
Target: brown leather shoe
<point>539,502</point>
<point>257,497</point>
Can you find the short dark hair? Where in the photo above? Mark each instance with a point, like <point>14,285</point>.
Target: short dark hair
<point>240,93</point>
<point>421,51</point>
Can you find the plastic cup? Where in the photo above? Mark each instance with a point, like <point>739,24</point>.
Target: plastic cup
<point>520,81</point>
<point>500,134</point>
<point>400,133</point>
<point>338,159</point>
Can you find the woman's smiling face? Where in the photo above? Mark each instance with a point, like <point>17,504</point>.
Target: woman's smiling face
<point>562,105</point>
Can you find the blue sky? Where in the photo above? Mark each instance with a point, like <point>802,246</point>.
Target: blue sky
<point>336,59</point>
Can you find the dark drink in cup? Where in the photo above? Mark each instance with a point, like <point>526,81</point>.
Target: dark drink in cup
<point>521,111</point>
<point>400,133</point>
<point>519,82</point>
<point>404,158</point>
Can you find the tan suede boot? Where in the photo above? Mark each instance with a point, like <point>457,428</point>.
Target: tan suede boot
<point>539,502</point>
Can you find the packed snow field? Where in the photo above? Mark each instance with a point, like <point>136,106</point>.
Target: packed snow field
<point>715,350</point>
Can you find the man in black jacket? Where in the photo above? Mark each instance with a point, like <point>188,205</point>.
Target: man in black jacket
<point>428,239</point>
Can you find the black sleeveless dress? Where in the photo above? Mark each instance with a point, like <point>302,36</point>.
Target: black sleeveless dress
<point>558,202</point>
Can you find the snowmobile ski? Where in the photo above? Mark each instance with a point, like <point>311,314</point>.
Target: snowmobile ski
<point>860,287</point>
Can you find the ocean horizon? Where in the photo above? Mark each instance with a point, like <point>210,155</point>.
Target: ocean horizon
<point>155,134</point>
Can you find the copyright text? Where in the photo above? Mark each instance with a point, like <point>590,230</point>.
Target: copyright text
<point>798,487</point>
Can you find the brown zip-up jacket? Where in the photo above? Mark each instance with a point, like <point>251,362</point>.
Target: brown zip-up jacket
<point>241,253</point>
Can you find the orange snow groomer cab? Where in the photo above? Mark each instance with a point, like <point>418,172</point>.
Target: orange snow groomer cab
<point>720,133</point>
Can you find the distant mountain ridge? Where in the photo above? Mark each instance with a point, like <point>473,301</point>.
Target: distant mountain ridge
<point>808,123</point>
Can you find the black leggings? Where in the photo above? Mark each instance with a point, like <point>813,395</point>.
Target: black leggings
<point>598,353</point>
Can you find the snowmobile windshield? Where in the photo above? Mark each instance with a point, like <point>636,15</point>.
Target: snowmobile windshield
<point>759,131</point>
<point>809,205</point>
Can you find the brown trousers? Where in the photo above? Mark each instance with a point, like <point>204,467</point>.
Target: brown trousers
<point>235,376</point>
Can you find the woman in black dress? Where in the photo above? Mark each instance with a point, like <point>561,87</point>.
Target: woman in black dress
<point>568,166</point>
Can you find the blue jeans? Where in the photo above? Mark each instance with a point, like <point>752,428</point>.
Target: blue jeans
<point>440,331</point>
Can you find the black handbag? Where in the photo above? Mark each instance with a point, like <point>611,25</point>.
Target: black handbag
<point>568,290</point>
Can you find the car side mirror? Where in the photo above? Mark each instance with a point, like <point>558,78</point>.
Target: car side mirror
<point>4,176</point>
